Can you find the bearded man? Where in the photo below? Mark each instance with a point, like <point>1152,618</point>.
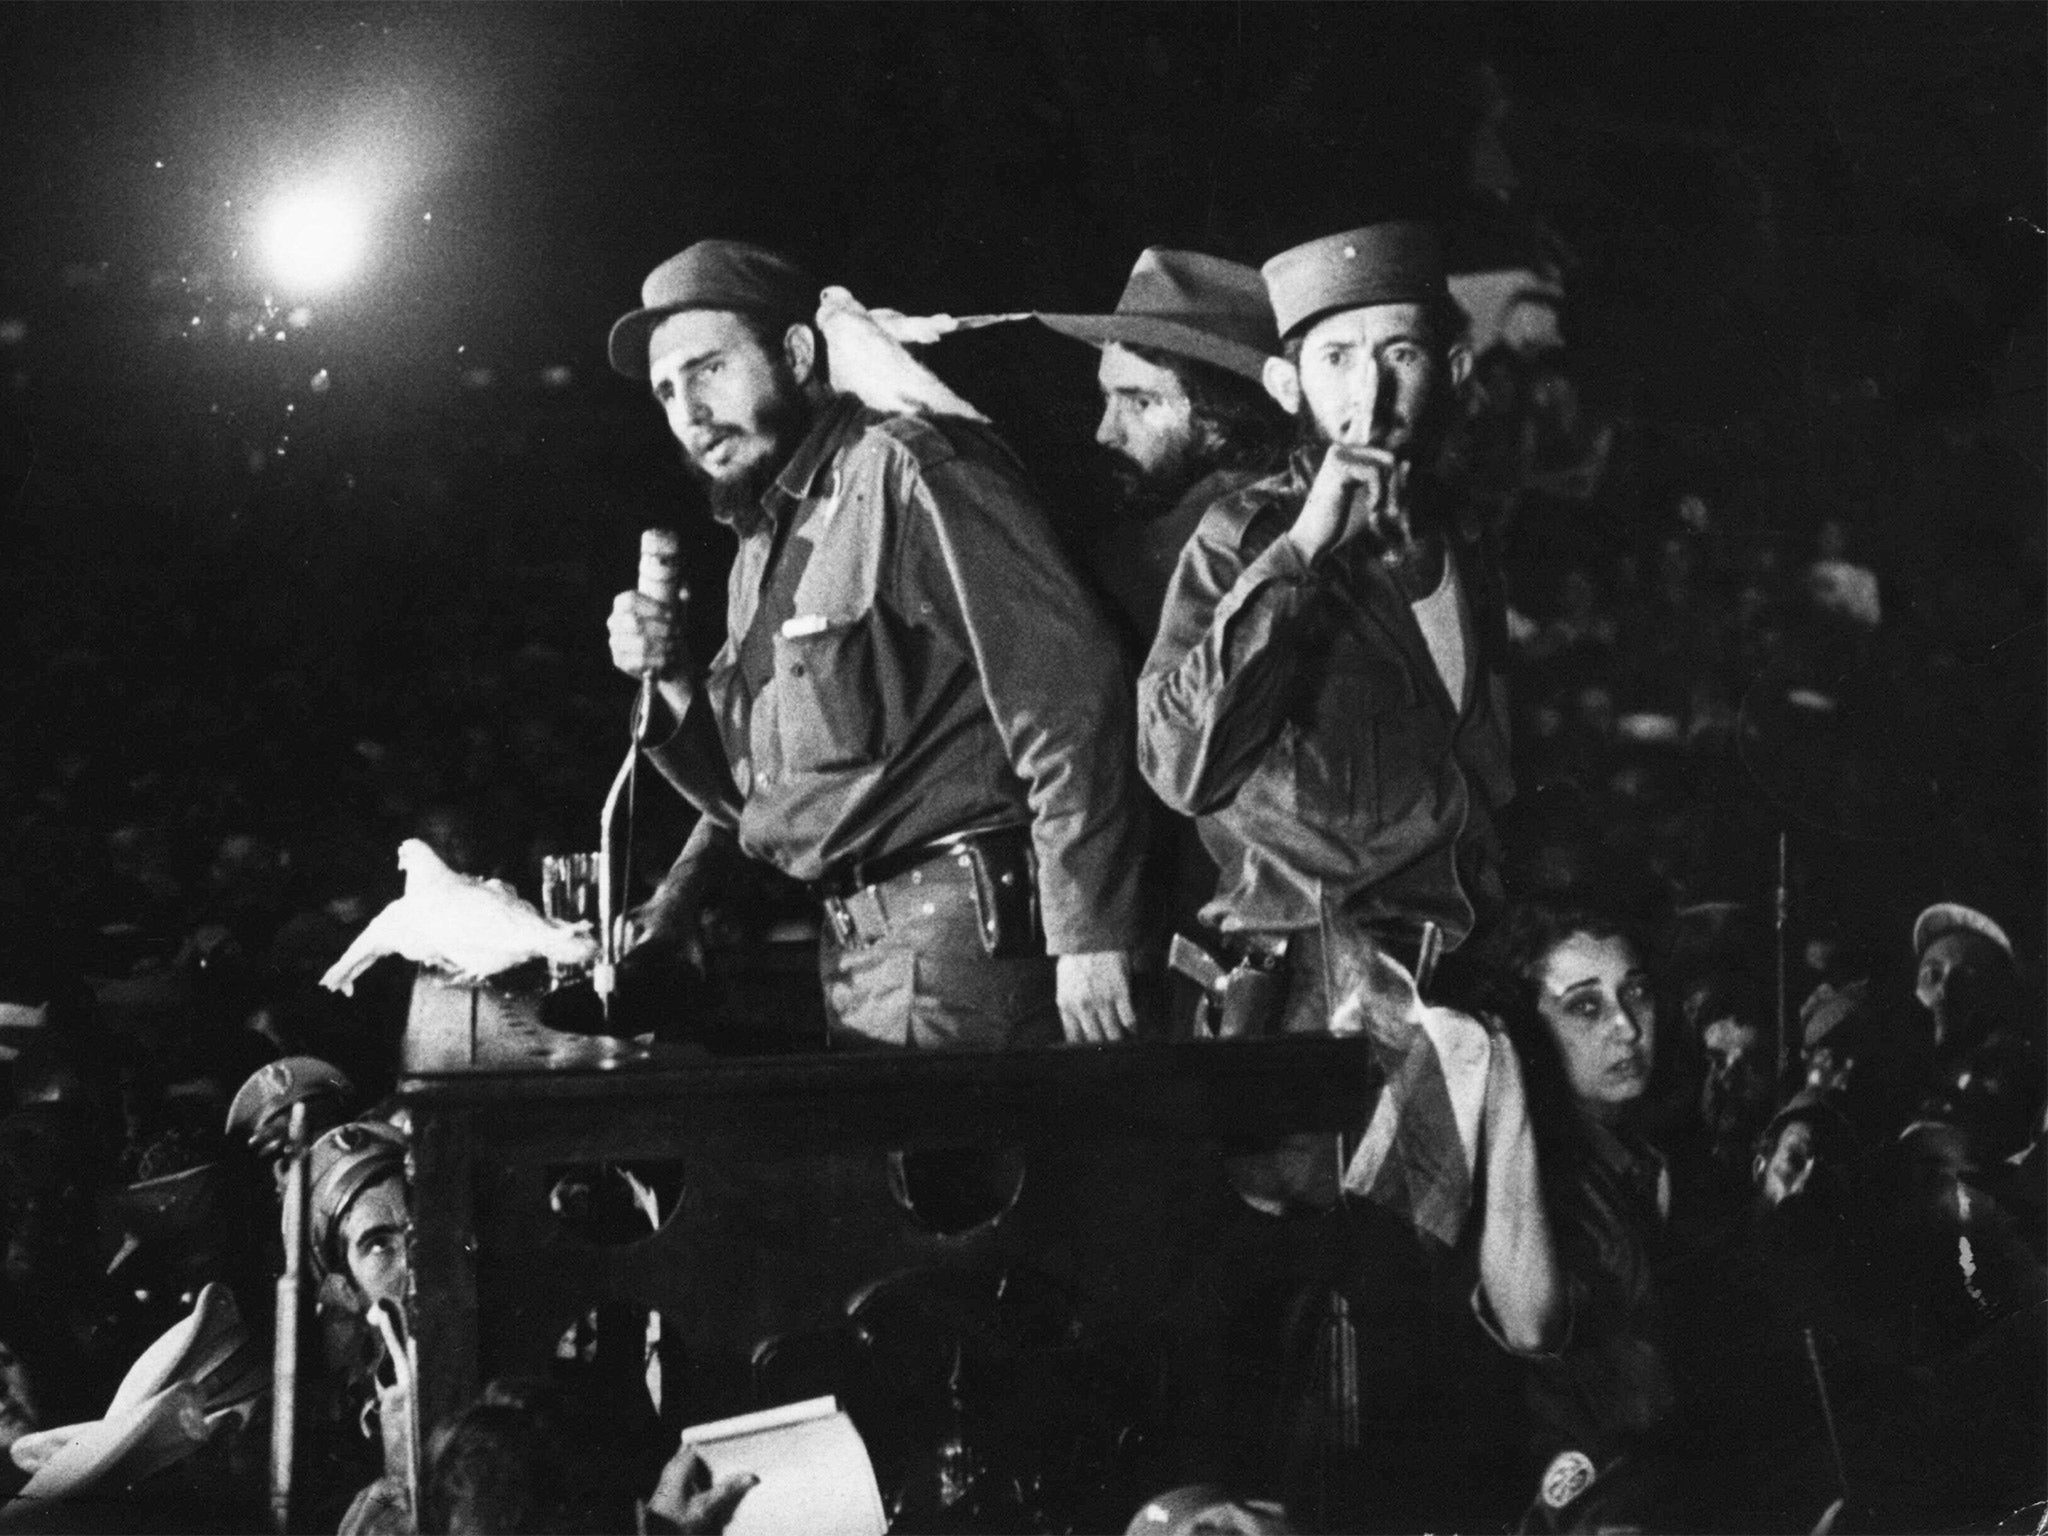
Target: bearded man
<point>1185,416</point>
<point>1324,693</point>
<point>1185,421</point>
<point>916,710</point>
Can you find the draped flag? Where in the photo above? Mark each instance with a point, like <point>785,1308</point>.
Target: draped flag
<point>1422,1143</point>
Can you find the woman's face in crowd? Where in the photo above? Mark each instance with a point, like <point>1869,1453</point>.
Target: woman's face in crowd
<point>1595,999</point>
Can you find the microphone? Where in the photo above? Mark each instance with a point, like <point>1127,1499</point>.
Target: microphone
<point>661,579</point>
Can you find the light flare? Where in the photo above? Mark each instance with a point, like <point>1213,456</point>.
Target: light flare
<point>313,239</point>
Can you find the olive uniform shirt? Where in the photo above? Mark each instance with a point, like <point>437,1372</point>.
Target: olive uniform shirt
<point>908,656</point>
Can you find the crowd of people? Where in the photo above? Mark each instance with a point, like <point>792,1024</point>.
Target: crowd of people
<point>1790,1246</point>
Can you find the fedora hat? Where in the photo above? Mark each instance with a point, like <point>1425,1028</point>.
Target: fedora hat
<point>1192,305</point>
<point>712,274</point>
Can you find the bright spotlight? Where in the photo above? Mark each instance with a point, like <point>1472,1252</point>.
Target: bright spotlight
<point>313,239</point>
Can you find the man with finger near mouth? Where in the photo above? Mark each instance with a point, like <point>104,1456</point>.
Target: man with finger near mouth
<point>916,711</point>
<point>1324,693</point>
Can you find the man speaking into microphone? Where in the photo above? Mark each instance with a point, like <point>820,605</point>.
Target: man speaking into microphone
<point>916,710</point>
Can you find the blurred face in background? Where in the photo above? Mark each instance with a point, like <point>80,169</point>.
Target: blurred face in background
<point>1738,1080</point>
<point>1962,975</point>
<point>1595,999</point>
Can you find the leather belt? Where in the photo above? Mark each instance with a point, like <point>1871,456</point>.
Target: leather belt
<point>881,869</point>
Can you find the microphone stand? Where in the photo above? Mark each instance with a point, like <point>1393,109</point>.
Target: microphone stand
<point>658,578</point>
<point>615,853</point>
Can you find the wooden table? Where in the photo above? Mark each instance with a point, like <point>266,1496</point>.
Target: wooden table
<point>785,1207</point>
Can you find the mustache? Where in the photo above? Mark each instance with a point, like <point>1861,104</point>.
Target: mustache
<point>710,440</point>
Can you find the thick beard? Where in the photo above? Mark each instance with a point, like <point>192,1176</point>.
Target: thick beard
<point>736,500</point>
<point>1141,495</point>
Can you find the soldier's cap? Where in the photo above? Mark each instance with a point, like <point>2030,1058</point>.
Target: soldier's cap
<point>276,1087</point>
<point>1829,1008</point>
<point>340,1165</point>
<point>1398,262</point>
<point>712,274</point>
<point>1191,305</point>
<point>1953,917</point>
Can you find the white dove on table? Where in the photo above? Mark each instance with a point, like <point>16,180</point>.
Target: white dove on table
<point>467,927</point>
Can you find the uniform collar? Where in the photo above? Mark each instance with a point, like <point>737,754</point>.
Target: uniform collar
<point>799,477</point>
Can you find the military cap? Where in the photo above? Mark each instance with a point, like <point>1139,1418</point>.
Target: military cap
<point>712,274</point>
<point>1393,263</point>
<point>273,1089</point>
<point>1953,917</point>
<point>340,1165</point>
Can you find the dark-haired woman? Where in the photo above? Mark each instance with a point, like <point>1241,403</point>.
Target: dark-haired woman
<point>1630,1431</point>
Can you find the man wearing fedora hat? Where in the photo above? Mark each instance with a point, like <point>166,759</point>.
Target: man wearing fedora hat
<point>916,705</point>
<point>1323,692</point>
<point>1186,420</point>
<point>1185,416</point>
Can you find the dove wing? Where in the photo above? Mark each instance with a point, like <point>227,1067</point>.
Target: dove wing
<point>376,941</point>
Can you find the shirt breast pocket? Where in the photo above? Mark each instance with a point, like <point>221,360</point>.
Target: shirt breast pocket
<point>829,714</point>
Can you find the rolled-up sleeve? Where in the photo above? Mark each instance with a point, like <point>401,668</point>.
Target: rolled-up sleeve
<point>1215,688</point>
<point>1057,690</point>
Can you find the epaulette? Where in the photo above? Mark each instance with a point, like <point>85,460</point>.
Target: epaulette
<point>1250,518</point>
<point>927,443</point>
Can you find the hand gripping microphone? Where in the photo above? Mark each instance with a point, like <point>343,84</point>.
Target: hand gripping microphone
<point>661,579</point>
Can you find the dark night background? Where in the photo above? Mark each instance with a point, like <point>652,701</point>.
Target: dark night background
<point>244,576</point>
<point>285,581</point>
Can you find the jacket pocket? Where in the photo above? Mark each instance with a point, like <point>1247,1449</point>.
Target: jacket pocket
<point>828,714</point>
